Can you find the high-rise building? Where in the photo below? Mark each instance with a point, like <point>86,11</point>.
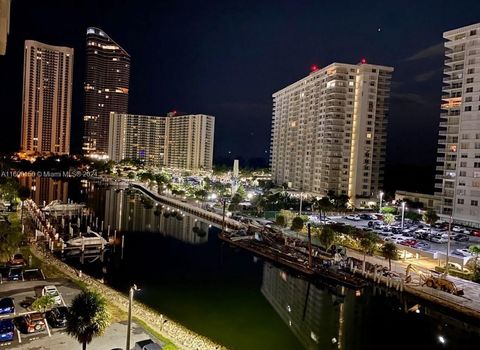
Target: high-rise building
<point>329,131</point>
<point>175,141</point>
<point>458,160</point>
<point>189,141</point>
<point>47,98</point>
<point>139,137</point>
<point>106,88</point>
<point>4,24</point>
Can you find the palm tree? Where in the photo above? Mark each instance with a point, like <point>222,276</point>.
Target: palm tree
<point>389,251</point>
<point>367,245</point>
<point>88,317</point>
<point>388,218</point>
<point>430,216</point>
<point>327,237</point>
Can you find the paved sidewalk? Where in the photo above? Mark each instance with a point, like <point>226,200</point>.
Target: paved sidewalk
<point>114,337</point>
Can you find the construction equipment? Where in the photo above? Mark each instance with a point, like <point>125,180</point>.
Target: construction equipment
<point>442,284</point>
<point>436,282</point>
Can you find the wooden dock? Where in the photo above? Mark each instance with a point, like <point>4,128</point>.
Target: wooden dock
<point>296,260</point>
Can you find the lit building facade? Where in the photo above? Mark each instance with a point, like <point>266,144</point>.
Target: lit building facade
<point>4,24</point>
<point>107,76</point>
<point>139,137</point>
<point>458,158</point>
<point>189,141</point>
<point>175,141</point>
<point>47,98</point>
<point>329,131</point>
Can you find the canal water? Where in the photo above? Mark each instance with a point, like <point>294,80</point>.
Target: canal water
<point>238,300</point>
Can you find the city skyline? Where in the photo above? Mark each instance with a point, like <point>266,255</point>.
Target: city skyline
<point>415,97</point>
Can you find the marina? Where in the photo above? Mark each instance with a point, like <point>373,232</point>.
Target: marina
<point>222,282</point>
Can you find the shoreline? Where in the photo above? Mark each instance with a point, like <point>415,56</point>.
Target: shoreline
<point>178,335</point>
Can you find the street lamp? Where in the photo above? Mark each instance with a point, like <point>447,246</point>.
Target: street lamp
<point>301,202</point>
<point>403,213</point>
<point>380,206</point>
<point>133,289</point>
<point>447,260</point>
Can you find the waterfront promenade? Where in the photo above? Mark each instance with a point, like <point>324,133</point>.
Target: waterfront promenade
<point>189,208</point>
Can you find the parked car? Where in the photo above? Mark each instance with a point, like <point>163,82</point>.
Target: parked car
<point>475,233</point>
<point>352,217</point>
<point>422,245</point>
<point>147,344</point>
<point>32,323</point>
<point>438,239</point>
<point>396,240</point>
<point>49,290</point>
<point>7,306</point>
<point>17,260</point>
<point>455,266</point>
<point>7,329</point>
<point>57,317</point>
<point>409,242</point>
<point>15,274</point>
<point>462,252</point>
<point>460,237</point>
<point>365,217</point>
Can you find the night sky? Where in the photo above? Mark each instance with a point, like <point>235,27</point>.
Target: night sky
<point>226,58</point>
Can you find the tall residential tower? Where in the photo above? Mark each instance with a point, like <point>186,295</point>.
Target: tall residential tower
<point>175,141</point>
<point>47,98</point>
<point>106,89</point>
<point>458,161</point>
<point>329,131</point>
<point>4,24</point>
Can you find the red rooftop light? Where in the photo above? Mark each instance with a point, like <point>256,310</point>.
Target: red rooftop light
<point>363,61</point>
<point>313,68</point>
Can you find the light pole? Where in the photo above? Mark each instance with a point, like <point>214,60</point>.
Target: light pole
<point>301,202</point>
<point>448,245</point>
<point>380,206</point>
<point>403,213</point>
<point>133,289</point>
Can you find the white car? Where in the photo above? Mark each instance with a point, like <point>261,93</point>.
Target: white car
<point>397,239</point>
<point>53,291</point>
<point>437,239</point>
<point>352,217</point>
<point>462,252</point>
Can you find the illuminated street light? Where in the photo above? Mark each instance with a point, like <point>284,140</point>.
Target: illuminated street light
<point>133,289</point>
<point>380,206</point>
<point>403,213</point>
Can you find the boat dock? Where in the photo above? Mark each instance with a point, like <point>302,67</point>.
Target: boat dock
<point>54,231</point>
<point>291,254</point>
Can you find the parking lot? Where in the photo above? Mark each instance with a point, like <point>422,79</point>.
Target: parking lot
<point>23,294</point>
<point>114,338</point>
<point>431,246</point>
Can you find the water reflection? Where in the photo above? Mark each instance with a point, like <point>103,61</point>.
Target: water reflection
<point>314,316</point>
<point>129,211</point>
<point>245,303</point>
<point>45,189</point>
